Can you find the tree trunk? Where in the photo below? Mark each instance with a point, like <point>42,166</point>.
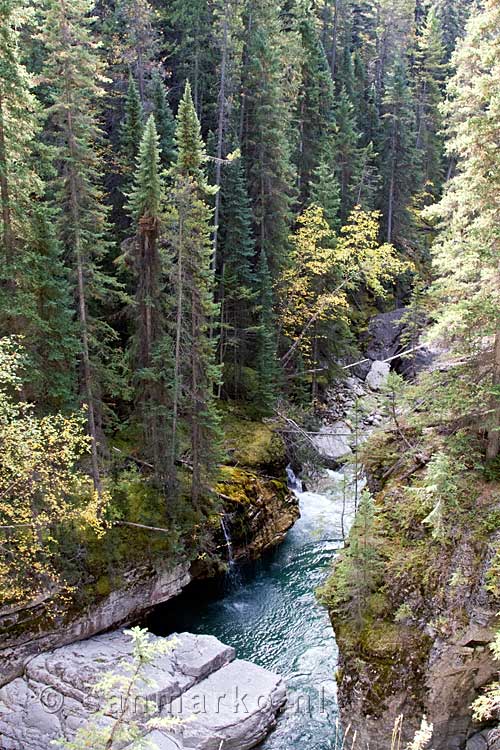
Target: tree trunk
<point>81,291</point>
<point>333,58</point>
<point>220,132</point>
<point>178,327</point>
<point>493,447</point>
<point>7,234</point>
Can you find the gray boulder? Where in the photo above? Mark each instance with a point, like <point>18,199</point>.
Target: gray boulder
<point>377,377</point>
<point>217,698</point>
<point>333,441</point>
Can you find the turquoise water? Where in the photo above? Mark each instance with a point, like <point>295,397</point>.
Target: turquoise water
<point>269,613</point>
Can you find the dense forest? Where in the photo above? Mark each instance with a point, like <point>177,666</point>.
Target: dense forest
<point>202,205</point>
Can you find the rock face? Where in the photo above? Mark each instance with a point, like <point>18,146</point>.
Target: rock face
<point>220,701</point>
<point>25,632</point>
<point>384,334</point>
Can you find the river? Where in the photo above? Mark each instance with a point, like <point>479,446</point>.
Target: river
<point>269,613</point>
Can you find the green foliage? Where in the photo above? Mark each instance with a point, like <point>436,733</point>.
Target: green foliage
<point>357,575</point>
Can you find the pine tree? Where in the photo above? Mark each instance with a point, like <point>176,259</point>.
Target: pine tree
<point>266,123</point>
<point>266,354</point>
<point>165,122</point>
<point>151,345</point>
<point>132,128</point>
<point>468,250</point>
<point>315,105</point>
<point>399,158</point>
<point>195,370</point>
<point>237,277</point>
<point>73,68</point>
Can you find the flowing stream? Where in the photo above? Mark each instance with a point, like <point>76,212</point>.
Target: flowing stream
<point>269,613</point>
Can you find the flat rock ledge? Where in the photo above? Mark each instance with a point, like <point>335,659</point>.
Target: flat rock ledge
<point>223,703</point>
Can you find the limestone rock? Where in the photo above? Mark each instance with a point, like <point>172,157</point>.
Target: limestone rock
<point>377,377</point>
<point>218,699</point>
<point>332,441</point>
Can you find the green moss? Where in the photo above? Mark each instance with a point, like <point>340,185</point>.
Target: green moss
<point>251,443</point>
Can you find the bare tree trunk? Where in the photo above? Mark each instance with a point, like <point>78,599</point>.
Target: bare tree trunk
<point>390,206</point>
<point>7,234</point>
<point>178,327</point>
<point>220,131</point>
<point>493,447</point>
<point>333,58</point>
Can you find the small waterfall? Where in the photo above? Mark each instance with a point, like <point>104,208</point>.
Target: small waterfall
<point>227,537</point>
<point>294,483</point>
<point>233,574</point>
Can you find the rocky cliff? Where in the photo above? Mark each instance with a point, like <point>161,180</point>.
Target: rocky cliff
<point>417,645</point>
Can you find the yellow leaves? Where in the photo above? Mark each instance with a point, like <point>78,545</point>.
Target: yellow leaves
<point>324,268</point>
<point>41,485</point>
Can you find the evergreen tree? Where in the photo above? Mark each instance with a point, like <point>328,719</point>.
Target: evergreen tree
<point>399,158</point>
<point>34,297</point>
<point>195,370</point>
<point>315,105</point>
<point>237,277</point>
<point>132,127</point>
<point>325,190</point>
<point>467,252</point>
<point>452,15</point>
<point>189,29</point>
<point>165,122</point>
<point>266,355</point>
<point>266,123</point>
<point>151,346</point>
<point>138,41</point>
<point>74,70</point>
<point>348,154</point>
<point>429,77</point>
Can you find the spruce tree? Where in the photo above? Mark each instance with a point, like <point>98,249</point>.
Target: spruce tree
<point>466,255</point>
<point>429,76</point>
<point>266,125</point>
<point>165,122</point>
<point>195,369</point>
<point>266,356</point>
<point>399,157</point>
<point>315,105</point>
<point>325,190</point>
<point>74,70</point>
<point>237,278</point>
<point>138,41</point>
<point>34,297</point>
<point>348,154</point>
<point>131,129</point>
<point>151,345</point>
